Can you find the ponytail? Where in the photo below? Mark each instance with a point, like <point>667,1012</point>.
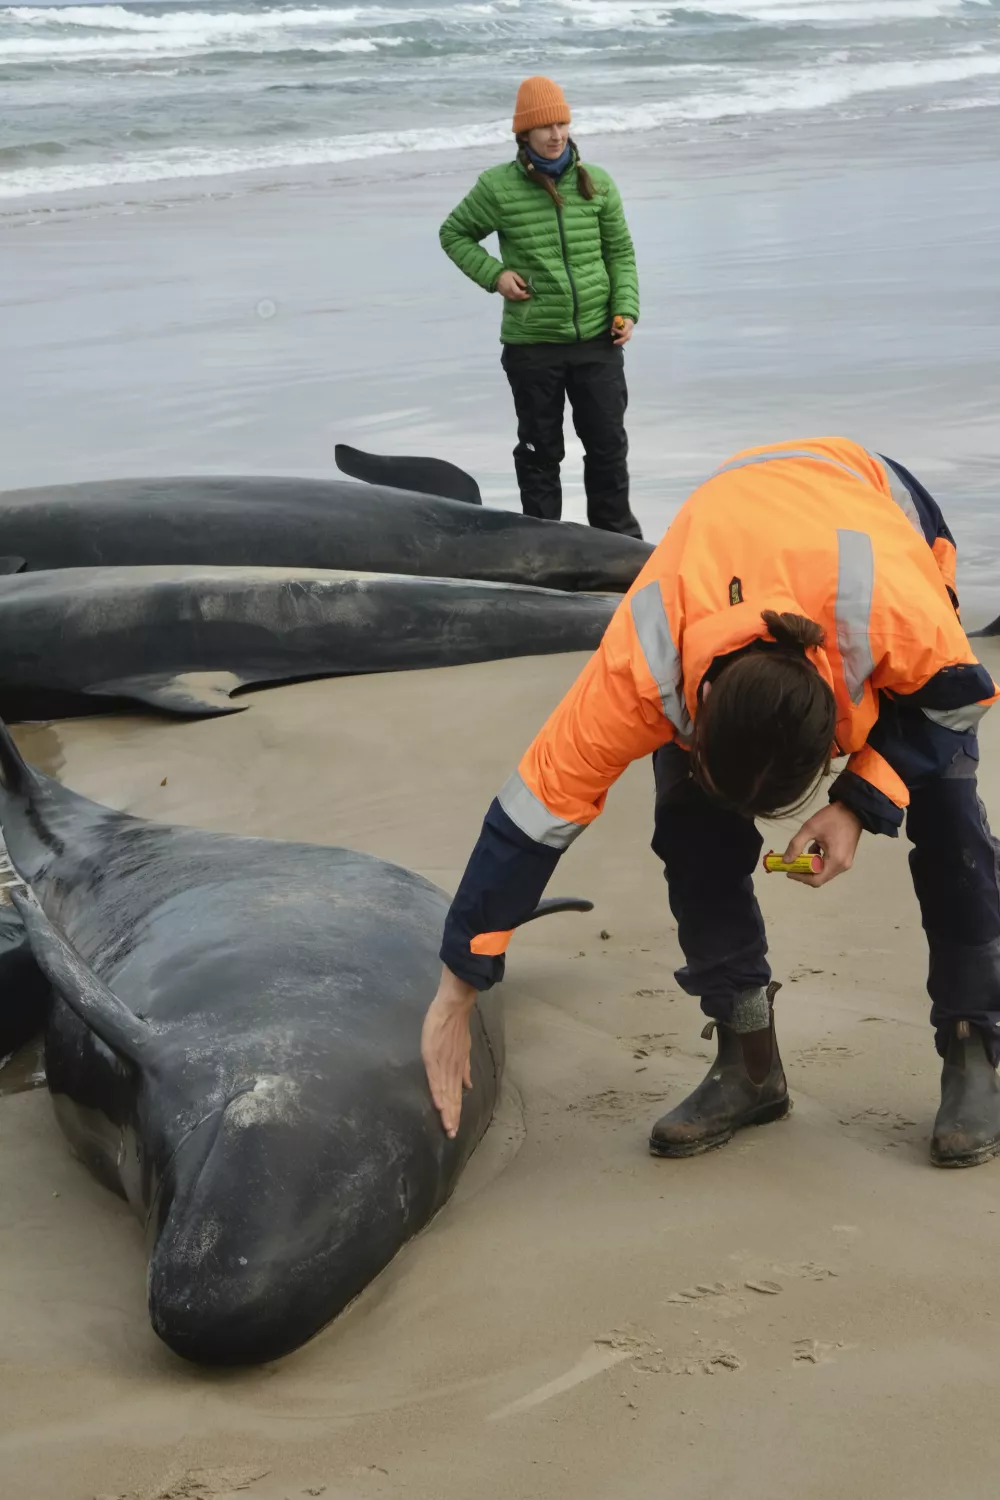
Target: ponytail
<point>584,181</point>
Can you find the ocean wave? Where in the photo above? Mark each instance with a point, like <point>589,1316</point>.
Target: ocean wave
<point>855,13</point>
<point>795,91</point>
<point>66,34</point>
<point>118,18</point>
<point>803,90</point>
<point>616,15</point>
<point>82,33</point>
<point>177,44</point>
<point>13,156</point>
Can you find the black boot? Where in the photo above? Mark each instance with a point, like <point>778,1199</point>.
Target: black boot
<point>744,1086</point>
<point>967,1128</point>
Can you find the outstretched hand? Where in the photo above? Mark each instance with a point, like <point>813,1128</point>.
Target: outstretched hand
<point>446,1046</point>
<point>836,831</point>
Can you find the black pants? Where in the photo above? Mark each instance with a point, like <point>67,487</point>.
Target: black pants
<point>709,856</point>
<point>592,375</point>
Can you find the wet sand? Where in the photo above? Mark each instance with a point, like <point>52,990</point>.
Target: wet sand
<point>821,276</point>
<point>807,1311</point>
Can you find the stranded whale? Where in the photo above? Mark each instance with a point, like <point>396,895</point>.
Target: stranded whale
<point>234,1046</point>
<point>182,639</point>
<point>311,523</point>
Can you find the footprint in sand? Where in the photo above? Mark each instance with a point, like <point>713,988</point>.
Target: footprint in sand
<point>709,1359</point>
<point>650,1044</point>
<point>722,1359</point>
<point>196,1484</point>
<point>889,1128</point>
<point>700,1291</point>
<point>703,1358</point>
<point>731,1300</point>
<point>636,1349</point>
<point>821,1052</point>
<point>719,1299</point>
<point>815,1352</point>
<point>806,1270</point>
<point>616,1104</point>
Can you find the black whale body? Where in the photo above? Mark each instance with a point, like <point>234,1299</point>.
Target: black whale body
<point>233,1045</point>
<point>182,639</point>
<point>305,523</point>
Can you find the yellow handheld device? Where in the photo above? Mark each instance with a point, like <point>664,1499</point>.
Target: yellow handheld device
<point>803,864</point>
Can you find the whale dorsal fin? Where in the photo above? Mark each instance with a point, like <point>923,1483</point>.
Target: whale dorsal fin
<point>422,476</point>
<point>87,996</point>
<point>12,564</point>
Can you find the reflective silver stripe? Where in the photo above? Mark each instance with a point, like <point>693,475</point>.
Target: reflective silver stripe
<point>959,719</point>
<point>900,494</point>
<point>662,657</point>
<point>855,585</point>
<point>533,817</point>
<point>767,458</point>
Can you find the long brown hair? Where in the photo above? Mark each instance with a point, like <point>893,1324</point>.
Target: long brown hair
<point>584,181</point>
<point>763,737</point>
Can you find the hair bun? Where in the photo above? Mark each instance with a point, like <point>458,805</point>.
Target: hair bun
<point>795,631</point>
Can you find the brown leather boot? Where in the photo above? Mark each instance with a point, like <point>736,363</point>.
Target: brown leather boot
<point>744,1086</point>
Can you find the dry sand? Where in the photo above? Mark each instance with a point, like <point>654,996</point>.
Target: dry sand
<point>807,1312</point>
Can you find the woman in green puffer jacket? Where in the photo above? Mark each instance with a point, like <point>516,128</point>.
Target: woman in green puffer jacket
<point>571,300</point>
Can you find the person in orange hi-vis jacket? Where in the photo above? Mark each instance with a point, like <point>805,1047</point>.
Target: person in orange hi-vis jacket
<point>801,607</point>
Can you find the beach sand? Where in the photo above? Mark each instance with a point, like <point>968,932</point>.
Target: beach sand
<point>807,1311</point>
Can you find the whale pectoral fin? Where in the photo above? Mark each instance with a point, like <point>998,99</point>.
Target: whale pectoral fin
<point>192,694</point>
<point>422,476</point>
<point>12,564</point>
<point>559,903</point>
<point>88,996</point>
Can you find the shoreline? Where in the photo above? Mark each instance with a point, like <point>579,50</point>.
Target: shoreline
<point>831,278</point>
<point>787,141</point>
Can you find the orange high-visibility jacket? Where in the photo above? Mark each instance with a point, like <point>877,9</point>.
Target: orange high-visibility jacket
<point>812,528</point>
<point>820,528</point>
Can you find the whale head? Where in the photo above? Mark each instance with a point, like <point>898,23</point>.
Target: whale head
<point>278,1208</point>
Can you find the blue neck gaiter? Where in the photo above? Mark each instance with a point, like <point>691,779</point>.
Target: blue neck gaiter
<point>551,168</point>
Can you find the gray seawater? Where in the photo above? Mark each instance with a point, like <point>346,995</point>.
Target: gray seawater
<point>108,95</point>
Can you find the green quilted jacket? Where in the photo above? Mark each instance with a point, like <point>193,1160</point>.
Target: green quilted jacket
<point>578,260</point>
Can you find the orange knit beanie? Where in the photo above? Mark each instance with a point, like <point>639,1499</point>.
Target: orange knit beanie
<point>540,102</point>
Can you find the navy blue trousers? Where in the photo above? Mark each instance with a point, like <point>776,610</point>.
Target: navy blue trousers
<point>709,856</point>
